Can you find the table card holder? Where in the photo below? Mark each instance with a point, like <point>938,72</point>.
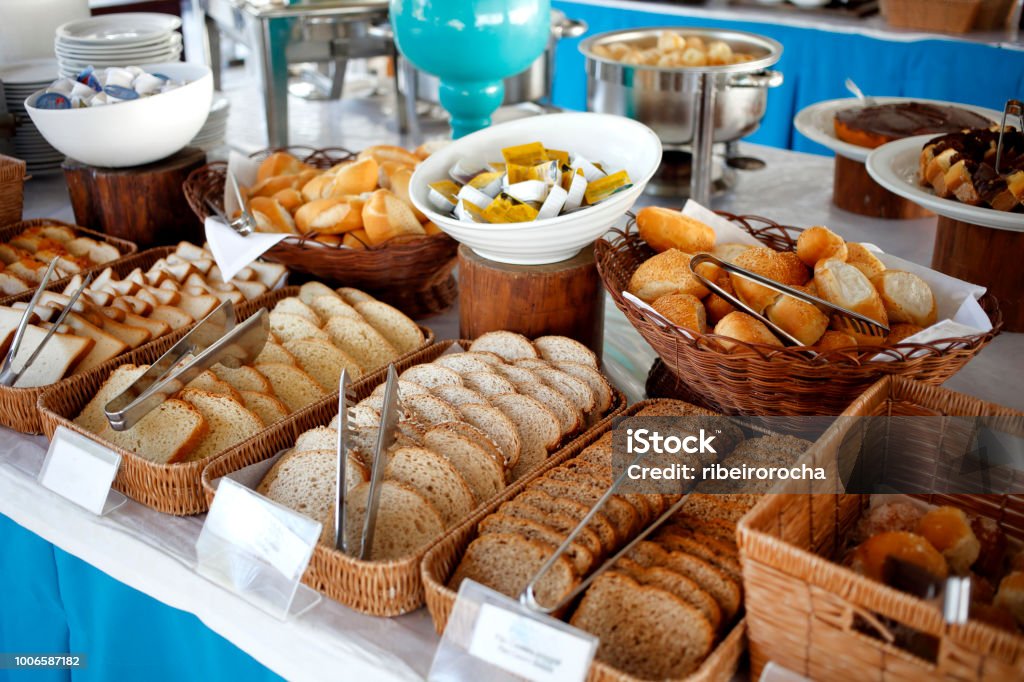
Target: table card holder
<point>258,549</point>
<point>81,470</point>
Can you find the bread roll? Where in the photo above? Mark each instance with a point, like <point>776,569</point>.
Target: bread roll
<point>356,239</point>
<point>318,187</point>
<point>767,263</point>
<point>331,239</point>
<point>273,185</point>
<point>382,153</point>
<point>832,339</point>
<point>664,228</point>
<point>1011,595</point>
<point>818,243</point>
<point>400,186</point>
<point>799,318</point>
<point>684,310</point>
<point>729,251</point>
<point>716,306</point>
<point>906,297</point>
<point>328,216</point>
<point>665,273</point>
<point>844,285</point>
<point>271,216</point>
<point>290,198</point>
<point>869,558</point>
<point>949,530</point>
<point>901,331</point>
<point>279,163</point>
<point>743,327</point>
<point>385,217</point>
<point>863,260</point>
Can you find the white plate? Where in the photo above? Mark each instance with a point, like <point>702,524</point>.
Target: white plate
<point>117,59</point>
<point>29,72</point>
<point>174,40</point>
<point>817,122</point>
<point>894,166</point>
<point>91,48</point>
<point>129,27</point>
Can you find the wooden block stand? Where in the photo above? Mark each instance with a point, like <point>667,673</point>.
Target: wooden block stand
<point>985,256</point>
<point>143,204</point>
<point>561,298</point>
<point>853,190</point>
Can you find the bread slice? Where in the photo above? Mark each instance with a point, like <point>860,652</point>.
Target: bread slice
<point>405,389</point>
<point>310,290</point>
<point>288,327</point>
<point>677,584</point>
<point>431,376</point>
<point>406,521</point>
<point>459,395</point>
<point>268,408</point>
<point>538,429</point>
<point>172,315</point>
<point>275,353</point>
<point>705,547</point>
<point>361,341</point>
<point>294,306</point>
<point>436,479</point>
<point>91,418</point>
<point>507,562</point>
<point>197,307</point>
<point>208,381</point>
<point>400,331</point>
<point>354,296</point>
<point>244,378</point>
<point>268,274</point>
<point>564,349</point>
<point>603,395</point>
<point>570,419</point>
<point>508,345</point>
<point>156,328</point>
<point>554,507</point>
<point>488,384</point>
<point>317,438</point>
<point>716,583</point>
<point>429,410</point>
<point>331,306</point>
<point>645,631</point>
<point>126,333</point>
<point>582,559</point>
<point>484,476</point>
<point>105,347</point>
<point>622,515</point>
<point>480,439</point>
<point>518,374</point>
<point>906,297</point>
<point>556,521</point>
<point>229,422</point>
<point>576,390</point>
<point>323,361</point>
<point>57,359</point>
<point>462,363</point>
<point>167,435</point>
<point>292,386</point>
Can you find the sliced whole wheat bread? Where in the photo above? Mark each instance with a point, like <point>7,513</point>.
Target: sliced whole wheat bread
<point>484,476</point>
<point>406,521</point>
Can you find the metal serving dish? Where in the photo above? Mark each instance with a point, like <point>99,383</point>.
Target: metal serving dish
<point>667,98</point>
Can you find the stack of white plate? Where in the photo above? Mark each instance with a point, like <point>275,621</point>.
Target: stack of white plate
<point>20,80</point>
<point>211,135</point>
<point>128,39</point>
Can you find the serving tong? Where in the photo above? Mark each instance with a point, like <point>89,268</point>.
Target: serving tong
<point>8,374</point>
<point>216,339</point>
<point>245,223</point>
<point>953,593</point>
<point>385,439</point>
<point>846,318</point>
<point>1014,107</point>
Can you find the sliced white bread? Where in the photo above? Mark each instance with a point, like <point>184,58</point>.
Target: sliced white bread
<point>197,307</point>
<point>484,476</point>
<point>406,521</point>
<point>61,353</point>
<point>498,427</point>
<point>329,306</point>
<point>275,353</point>
<point>405,388</point>
<point>431,376</point>
<point>133,336</point>
<point>459,395</point>
<point>354,296</point>
<point>268,274</point>
<point>294,306</point>
<point>400,331</point>
<point>208,381</point>
<point>564,349</point>
<point>292,386</point>
<point>228,421</point>
<point>436,478</point>
<point>462,363</point>
<point>323,361</point>
<point>508,345</point>
<point>288,327</point>
<point>155,327</point>
<point>538,429</point>
<point>268,408</point>
<point>167,435</point>
<point>172,315</point>
<point>317,438</point>
<point>105,347</point>
<point>244,378</point>
<point>91,418</point>
<point>361,341</point>
<point>488,384</point>
<point>429,410</point>
<point>310,290</point>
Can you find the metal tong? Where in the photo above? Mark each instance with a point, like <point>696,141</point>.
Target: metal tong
<point>953,593</point>
<point>8,374</point>
<point>245,223</point>
<point>385,439</point>
<point>845,317</point>
<point>215,339</point>
<point>1014,107</point>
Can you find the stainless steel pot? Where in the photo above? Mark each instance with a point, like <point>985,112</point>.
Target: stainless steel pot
<point>531,85</point>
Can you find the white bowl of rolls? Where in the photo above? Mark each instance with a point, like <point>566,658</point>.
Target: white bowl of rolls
<point>615,141</point>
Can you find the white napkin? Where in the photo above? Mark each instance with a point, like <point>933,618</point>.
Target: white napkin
<point>244,169</point>
<point>232,251</point>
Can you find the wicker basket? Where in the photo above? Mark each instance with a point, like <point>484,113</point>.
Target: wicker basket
<point>12,189</point>
<point>440,561</point>
<point>169,488</point>
<point>945,16</point>
<point>803,610</point>
<point>378,588</point>
<point>993,15</point>
<point>768,380</point>
<point>415,275</point>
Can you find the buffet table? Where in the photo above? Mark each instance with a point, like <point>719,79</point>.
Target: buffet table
<point>123,587</point>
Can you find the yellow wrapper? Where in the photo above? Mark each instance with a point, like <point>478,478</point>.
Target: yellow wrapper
<point>505,209</point>
<point>567,174</point>
<point>606,186</point>
<point>447,189</point>
<point>546,171</point>
<point>558,155</point>
<point>525,154</point>
<point>475,211</point>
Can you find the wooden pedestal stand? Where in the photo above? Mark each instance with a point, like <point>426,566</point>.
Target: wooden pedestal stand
<point>561,298</point>
<point>855,191</point>
<point>143,204</point>
<point>985,256</point>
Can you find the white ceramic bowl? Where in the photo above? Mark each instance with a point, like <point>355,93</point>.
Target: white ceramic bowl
<point>131,133</point>
<point>614,141</point>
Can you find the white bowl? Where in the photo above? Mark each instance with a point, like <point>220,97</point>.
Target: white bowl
<point>616,142</point>
<point>131,133</point>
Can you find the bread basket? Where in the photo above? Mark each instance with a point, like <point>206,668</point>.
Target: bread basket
<point>12,189</point>
<point>823,620</point>
<point>379,588</point>
<point>946,16</point>
<point>441,559</point>
<point>414,275</point>
<point>169,488</point>
<point>767,380</point>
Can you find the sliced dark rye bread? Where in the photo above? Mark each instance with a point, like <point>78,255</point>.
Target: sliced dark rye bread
<point>714,555</point>
<point>593,488</point>
<point>716,528</point>
<point>645,631</point>
<point>714,581</point>
<point>621,514</point>
<point>676,583</point>
<point>583,560</point>
<point>599,524</point>
<point>556,521</point>
<point>506,562</point>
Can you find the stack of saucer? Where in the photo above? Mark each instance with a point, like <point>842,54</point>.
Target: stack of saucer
<point>211,135</point>
<point>128,39</point>
<point>20,80</point>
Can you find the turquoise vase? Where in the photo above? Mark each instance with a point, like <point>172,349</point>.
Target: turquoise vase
<point>471,46</point>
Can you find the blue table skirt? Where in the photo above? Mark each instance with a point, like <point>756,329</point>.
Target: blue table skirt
<point>55,603</point>
<point>815,64</point>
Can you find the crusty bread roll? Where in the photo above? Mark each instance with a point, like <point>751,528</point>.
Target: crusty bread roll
<point>290,198</point>
<point>271,216</point>
<point>385,217</point>
<point>767,263</point>
<point>665,273</point>
<point>716,306</point>
<point>356,178</point>
<point>400,186</point>
<point>799,318</point>
<point>318,187</point>
<point>729,251</point>
<point>818,243</point>
<point>279,163</point>
<point>843,285</point>
<point>382,153</point>
<point>832,339</point>
<point>684,310</point>
<point>948,530</point>
<point>1011,595</point>
<point>273,185</point>
<point>901,331</point>
<point>906,297</point>
<point>863,260</point>
<point>333,215</point>
<point>870,557</point>
<point>664,228</point>
<point>743,327</point>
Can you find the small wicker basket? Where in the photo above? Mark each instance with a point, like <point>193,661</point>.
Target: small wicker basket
<point>12,189</point>
<point>441,560</point>
<point>805,611</point>
<point>379,588</point>
<point>169,488</point>
<point>413,275</point>
<point>945,16</point>
<point>768,380</point>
